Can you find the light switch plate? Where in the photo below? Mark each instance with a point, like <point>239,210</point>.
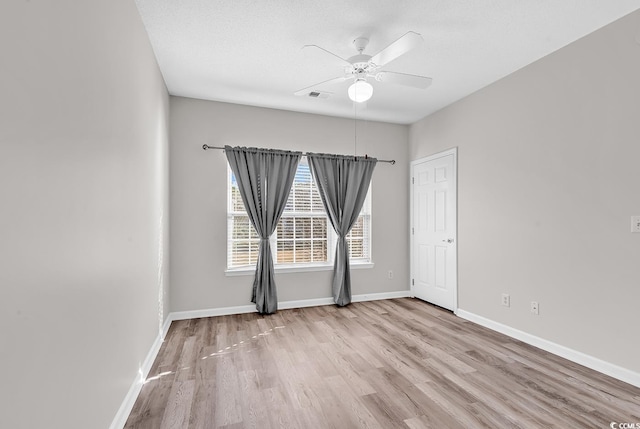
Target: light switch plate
<point>635,223</point>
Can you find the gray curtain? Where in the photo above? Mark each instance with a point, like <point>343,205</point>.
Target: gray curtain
<point>264,179</point>
<point>343,182</point>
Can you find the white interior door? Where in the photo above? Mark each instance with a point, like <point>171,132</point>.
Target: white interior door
<point>433,229</point>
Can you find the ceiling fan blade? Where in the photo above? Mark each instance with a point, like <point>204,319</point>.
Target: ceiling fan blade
<point>305,91</point>
<point>401,46</point>
<point>412,80</point>
<point>328,52</point>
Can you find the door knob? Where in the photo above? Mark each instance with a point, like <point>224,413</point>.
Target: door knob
<point>450,240</point>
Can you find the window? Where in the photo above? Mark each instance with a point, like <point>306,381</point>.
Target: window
<point>304,236</point>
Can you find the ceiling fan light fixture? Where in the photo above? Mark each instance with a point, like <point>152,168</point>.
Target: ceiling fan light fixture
<point>360,91</point>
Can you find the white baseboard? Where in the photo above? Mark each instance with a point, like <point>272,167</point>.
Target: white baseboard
<point>283,305</point>
<point>211,312</point>
<point>301,303</point>
<point>583,359</point>
<point>378,296</point>
<point>130,399</point>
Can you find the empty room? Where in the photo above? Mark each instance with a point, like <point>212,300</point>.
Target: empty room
<point>246,214</point>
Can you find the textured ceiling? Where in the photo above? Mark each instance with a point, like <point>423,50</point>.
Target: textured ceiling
<point>250,51</point>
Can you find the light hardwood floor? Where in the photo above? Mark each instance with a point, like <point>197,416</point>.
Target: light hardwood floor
<point>397,363</point>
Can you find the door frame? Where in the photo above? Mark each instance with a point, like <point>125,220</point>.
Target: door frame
<point>453,151</point>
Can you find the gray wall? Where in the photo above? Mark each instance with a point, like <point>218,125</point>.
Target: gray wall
<point>198,198</point>
<point>548,180</point>
<point>84,212</point>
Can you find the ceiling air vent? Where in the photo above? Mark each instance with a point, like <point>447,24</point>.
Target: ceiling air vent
<point>318,94</point>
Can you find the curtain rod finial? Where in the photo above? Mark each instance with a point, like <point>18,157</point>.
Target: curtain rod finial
<point>205,147</point>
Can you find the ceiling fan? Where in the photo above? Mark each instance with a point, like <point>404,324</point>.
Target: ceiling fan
<point>361,68</point>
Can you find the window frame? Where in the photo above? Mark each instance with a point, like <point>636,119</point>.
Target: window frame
<point>330,240</point>
<point>355,263</point>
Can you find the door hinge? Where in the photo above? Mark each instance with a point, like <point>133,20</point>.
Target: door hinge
<point>413,180</point>
<point>413,282</point>
<point>412,231</point>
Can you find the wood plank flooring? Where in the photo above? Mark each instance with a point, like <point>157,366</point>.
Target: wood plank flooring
<point>397,363</point>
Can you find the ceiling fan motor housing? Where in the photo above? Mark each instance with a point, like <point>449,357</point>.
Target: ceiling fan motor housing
<point>360,65</point>
<point>360,62</point>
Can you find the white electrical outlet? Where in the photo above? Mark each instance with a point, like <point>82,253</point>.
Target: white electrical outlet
<point>635,223</point>
<point>506,300</point>
<point>535,308</point>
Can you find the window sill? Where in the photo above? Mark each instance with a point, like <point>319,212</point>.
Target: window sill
<point>294,269</point>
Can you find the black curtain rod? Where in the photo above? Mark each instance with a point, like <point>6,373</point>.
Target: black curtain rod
<point>205,147</point>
